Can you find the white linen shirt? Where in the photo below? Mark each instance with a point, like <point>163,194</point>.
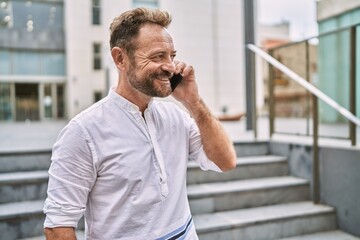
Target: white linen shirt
<point>125,172</point>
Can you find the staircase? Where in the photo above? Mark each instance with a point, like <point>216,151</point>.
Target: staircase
<point>23,185</point>
<point>258,200</point>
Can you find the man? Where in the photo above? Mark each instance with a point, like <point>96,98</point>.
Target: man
<point>123,161</point>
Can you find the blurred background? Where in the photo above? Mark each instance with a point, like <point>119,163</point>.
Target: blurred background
<point>55,62</point>
<point>55,58</point>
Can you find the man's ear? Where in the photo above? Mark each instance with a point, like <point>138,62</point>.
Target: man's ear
<point>119,57</point>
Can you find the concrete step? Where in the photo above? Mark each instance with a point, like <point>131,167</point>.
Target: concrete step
<point>31,185</point>
<point>23,186</point>
<point>251,148</point>
<point>266,223</point>
<point>330,235</point>
<point>25,160</point>
<point>247,167</point>
<point>25,220</point>
<point>22,219</point>
<point>223,196</point>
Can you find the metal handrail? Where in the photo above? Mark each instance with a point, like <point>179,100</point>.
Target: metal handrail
<point>308,86</point>
<point>316,94</point>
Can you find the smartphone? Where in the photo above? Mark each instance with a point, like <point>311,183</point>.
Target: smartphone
<point>175,80</point>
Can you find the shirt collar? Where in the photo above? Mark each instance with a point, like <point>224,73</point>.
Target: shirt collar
<point>124,103</point>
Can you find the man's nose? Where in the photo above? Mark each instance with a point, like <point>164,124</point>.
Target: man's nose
<point>169,65</point>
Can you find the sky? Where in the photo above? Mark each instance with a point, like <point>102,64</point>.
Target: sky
<point>300,13</point>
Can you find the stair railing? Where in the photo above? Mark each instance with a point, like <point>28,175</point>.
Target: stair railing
<point>316,95</point>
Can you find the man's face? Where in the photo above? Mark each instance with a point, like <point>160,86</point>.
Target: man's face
<point>152,65</point>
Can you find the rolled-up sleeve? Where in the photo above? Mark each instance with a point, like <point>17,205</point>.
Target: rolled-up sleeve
<point>197,152</point>
<point>71,176</point>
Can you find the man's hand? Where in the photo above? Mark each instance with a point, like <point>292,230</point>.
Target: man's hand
<point>217,145</point>
<point>60,233</point>
<point>187,90</point>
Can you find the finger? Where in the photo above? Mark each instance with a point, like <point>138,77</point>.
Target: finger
<point>179,67</point>
<point>188,70</point>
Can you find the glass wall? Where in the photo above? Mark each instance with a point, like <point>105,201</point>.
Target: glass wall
<point>5,102</point>
<point>24,62</point>
<point>4,62</point>
<point>334,63</point>
<point>27,102</point>
<point>52,63</point>
<point>146,3</point>
<point>31,101</point>
<point>31,15</point>
<point>5,17</point>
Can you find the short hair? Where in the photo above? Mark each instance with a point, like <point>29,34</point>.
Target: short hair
<point>125,28</point>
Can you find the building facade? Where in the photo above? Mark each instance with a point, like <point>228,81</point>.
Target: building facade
<point>32,60</point>
<point>268,36</point>
<point>55,59</point>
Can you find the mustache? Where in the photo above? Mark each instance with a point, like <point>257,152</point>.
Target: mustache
<point>161,75</point>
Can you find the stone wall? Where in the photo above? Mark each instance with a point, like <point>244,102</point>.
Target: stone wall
<point>339,177</point>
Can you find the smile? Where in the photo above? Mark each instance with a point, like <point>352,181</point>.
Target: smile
<point>163,79</point>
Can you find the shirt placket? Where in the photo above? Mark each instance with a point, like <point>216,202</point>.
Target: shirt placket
<point>158,155</point>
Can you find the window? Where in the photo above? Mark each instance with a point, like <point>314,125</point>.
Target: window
<point>26,62</point>
<point>96,12</point>
<point>53,63</point>
<point>27,101</point>
<point>97,56</point>
<point>5,102</point>
<point>4,62</point>
<point>5,17</point>
<point>35,15</point>
<point>34,63</point>
<point>60,100</point>
<point>47,101</point>
<point>146,3</point>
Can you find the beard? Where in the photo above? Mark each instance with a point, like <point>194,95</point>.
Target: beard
<point>146,85</point>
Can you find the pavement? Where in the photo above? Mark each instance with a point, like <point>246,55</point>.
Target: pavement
<point>24,136</point>
<point>21,136</point>
<point>15,136</point>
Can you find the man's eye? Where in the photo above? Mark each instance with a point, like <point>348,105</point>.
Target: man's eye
<point>158,56</point>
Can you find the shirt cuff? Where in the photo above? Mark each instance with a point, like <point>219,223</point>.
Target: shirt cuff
<point>205,163</point>
<point>61,216</point>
